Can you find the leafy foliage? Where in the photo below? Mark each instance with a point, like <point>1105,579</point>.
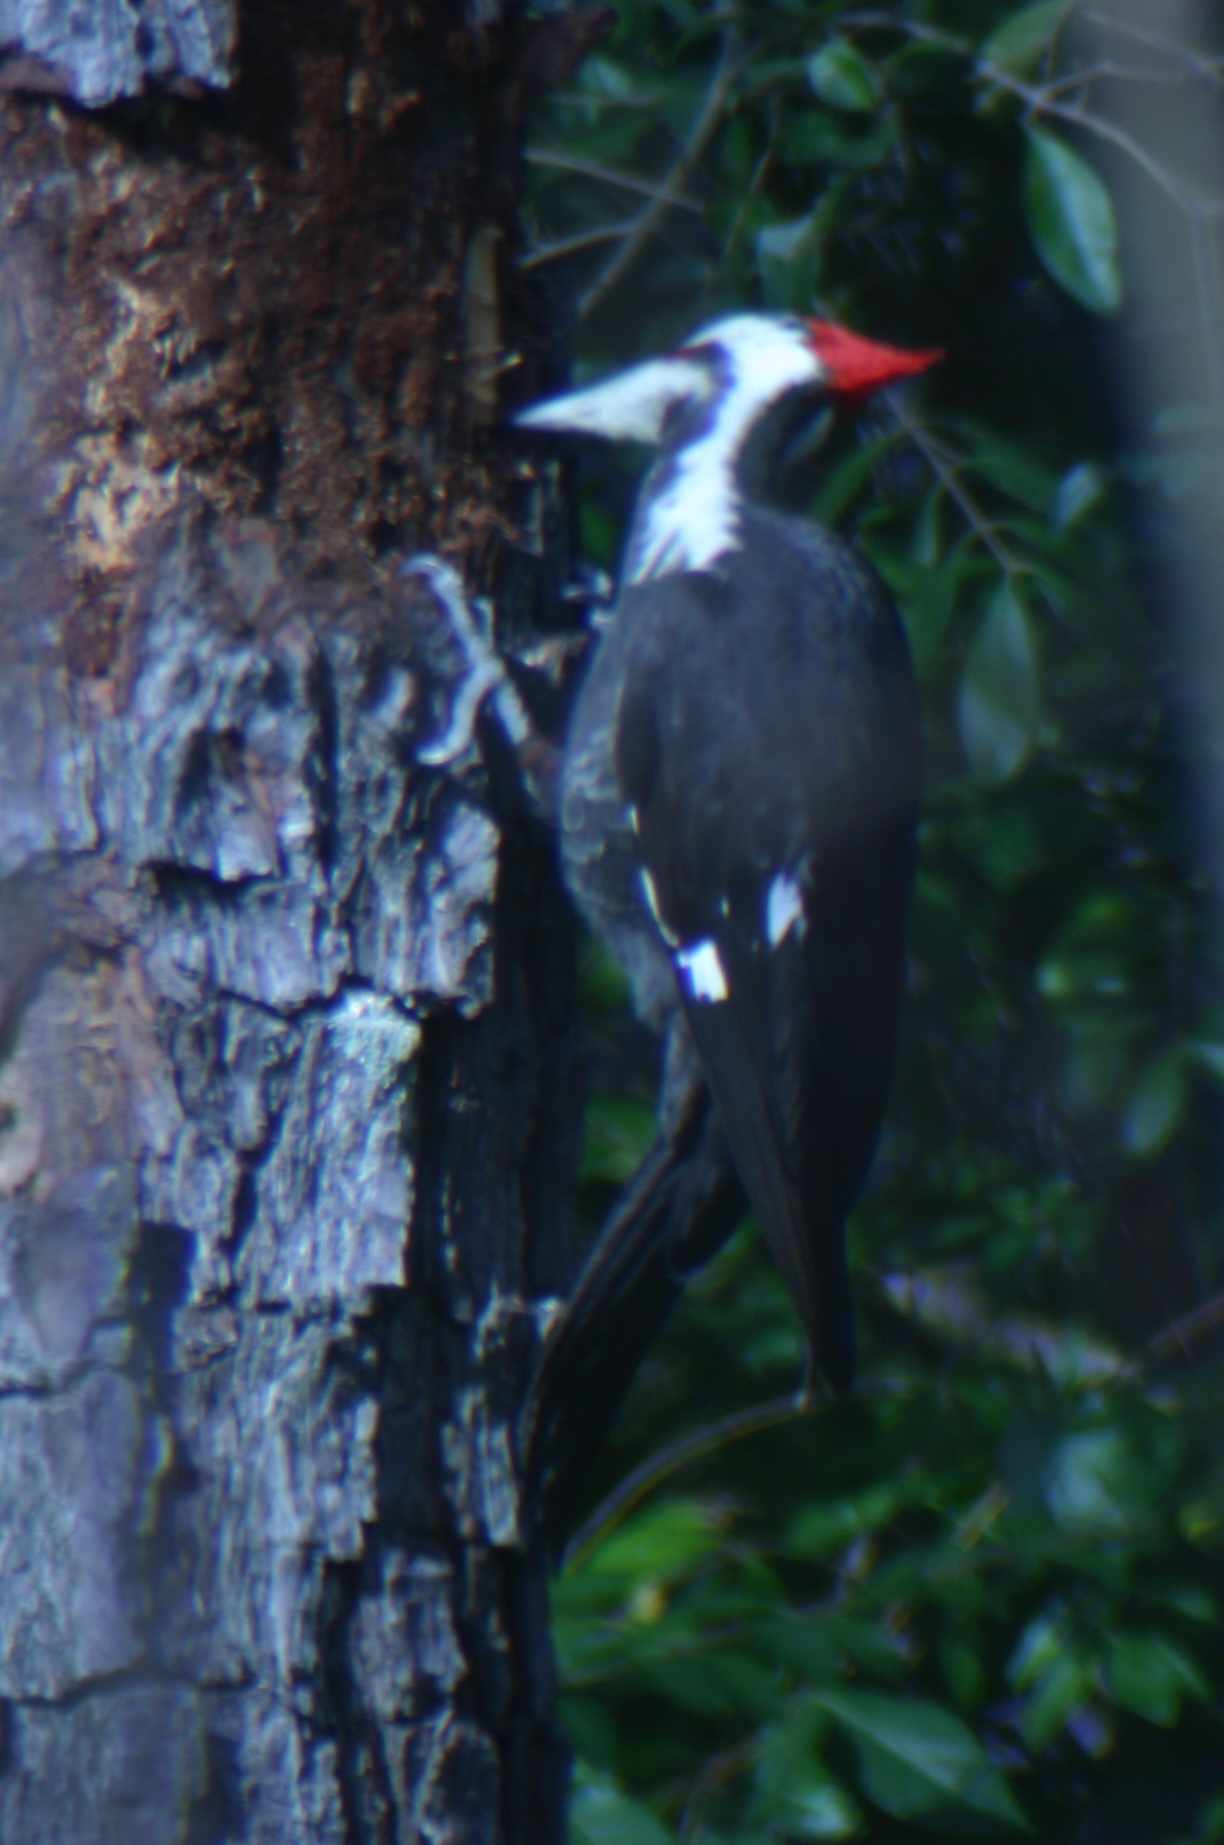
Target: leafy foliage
<point>983,1596</point>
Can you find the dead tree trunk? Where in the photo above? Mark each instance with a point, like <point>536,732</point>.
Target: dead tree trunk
<point>284,1111</point>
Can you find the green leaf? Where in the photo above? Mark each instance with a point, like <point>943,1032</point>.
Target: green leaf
<point>820,136</point>
<point>1007,465</point>
<point>714,1682</point>
<point>1079,492</point>
<point>1000,699</point>
<point>601,1815</point>
<point>1056,1695</point>
<point>1151,1676</point>
<point>841,77</point>
<point>1018,44</point>
<point>927,543</point>
<point>1209,1829</point>
<point>918,1760</point>
<point>1041,1645</point>
<point>795,1795</point>
<point>1071,220</point>
<point>664,1541</point>
<point>826,1525</point>
<point>591,1730</point>
<point>1097,1486</point>
<point>1157,1104</point>
<point>790,256</point>
<point>964,1668</point>
<point>1210,1055</point>
<point>842,484</point>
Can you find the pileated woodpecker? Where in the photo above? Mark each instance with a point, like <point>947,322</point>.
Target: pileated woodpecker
<point>739,784</point>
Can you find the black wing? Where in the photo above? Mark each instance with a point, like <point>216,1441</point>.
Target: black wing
<point>768,748</point>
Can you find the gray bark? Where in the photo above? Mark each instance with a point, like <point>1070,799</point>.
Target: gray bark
<point>285,1107</point>
<point>97,51</point>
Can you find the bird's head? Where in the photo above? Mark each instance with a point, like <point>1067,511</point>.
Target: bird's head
<point>758,360</point>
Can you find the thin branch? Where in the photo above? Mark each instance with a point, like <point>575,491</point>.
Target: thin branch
<point>944,467</point>
<point>1208,70</point>
<point>572,246</point>
<point>611,176</point>
<point>659,1467</point>
<point>764,162</point>
<point>1042,99</point>
<point>1043,102</point>
<point>716,1772</point>
<point>869,20</point>
<point>702,132</point>
<point>1181,1334</point>
<point>1121,73</point>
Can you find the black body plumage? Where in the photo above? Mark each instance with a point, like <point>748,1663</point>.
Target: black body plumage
<point>739,794</point>
<point>761,719</point>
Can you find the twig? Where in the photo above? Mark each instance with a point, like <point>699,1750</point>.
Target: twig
<point>762,167</point>
<point>702,131</point>
<point>1182,1333</point>
<point>869,20</point>
<point>657,1468</point>
<point>1042,102</point>
<point>1042,99</point>
<point>716,1772</point>
<point>1121,73</point>
<point>571,246</point>
<point>1210,70</point>
<point>611,176</point>
<point>948,474</point>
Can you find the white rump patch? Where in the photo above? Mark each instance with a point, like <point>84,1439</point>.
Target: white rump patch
<point>702,972</point>
<point>783,908</point>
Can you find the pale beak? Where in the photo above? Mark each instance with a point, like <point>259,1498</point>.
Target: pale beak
<point>630,407</point>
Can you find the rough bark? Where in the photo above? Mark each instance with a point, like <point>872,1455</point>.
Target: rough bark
<point>285,1112</point>
<point>98,51</point>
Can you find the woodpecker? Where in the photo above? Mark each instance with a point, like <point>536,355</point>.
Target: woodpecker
<point>740,780</point>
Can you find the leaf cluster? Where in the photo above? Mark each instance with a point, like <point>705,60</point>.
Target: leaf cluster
<point>983,1597</point>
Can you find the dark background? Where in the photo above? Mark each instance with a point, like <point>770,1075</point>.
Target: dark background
<point>984,1592</point>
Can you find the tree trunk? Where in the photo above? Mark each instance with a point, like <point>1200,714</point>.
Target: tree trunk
<point>285,1116</point>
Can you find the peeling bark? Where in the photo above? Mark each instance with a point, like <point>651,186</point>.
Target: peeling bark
<point>286,1116</point>
<point>97,51</point>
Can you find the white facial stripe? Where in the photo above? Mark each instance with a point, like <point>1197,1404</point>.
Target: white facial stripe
<point>695,519</point>
<point>783,908</point>
<point>702,972</point>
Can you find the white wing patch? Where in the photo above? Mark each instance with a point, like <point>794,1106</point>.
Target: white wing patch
<point>783,908</point>
<point>651,895</point>
<point>702,972</point>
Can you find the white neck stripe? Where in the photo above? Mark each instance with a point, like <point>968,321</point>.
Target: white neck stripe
<point>693,517</point>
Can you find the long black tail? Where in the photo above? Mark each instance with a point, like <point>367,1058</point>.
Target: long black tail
<point>675,1214</point>
<point>790,1185</point>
